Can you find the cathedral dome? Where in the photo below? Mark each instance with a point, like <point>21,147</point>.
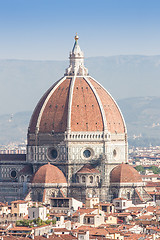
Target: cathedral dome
<point>77,103</point>
<point>49,174</point>
<point>124,173</point>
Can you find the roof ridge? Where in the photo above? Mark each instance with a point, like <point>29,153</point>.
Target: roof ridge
<point>46,169</point>
<point>120,177</point>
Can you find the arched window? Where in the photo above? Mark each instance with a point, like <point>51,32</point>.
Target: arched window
<point>28,178</point>
<point>128,195</point>
<point>22,178</point>
<point>39,197</point>
<point>83,179</point>
<point>115,195</point>
<point>91,179</point>
<point>97,179</point>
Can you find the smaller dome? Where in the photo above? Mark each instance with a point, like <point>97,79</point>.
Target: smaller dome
<point>49,174</point>
<point>124,173</point>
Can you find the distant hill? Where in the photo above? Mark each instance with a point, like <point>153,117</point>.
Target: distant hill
<point>23,82</point>
<point>142,116</point>
<point>13,127</point>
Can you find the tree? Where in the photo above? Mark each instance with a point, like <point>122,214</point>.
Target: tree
<point>140,168</point>
<point>155,169</point>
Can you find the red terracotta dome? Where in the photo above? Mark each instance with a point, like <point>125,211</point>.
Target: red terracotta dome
<point>49,174</point>
<point>125,173</point>
<point>77,103</point>
<point>91,108</point>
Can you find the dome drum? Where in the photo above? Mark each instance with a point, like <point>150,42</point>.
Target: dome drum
<point>52,153</point>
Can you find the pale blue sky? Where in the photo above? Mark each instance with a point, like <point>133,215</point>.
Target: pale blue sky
<point>44,29</point>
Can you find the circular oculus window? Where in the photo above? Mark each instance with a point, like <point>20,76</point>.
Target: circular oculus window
<point>87,153</point>
<point>52,153</point>
<point>13,174</point>
<point>114,153</point>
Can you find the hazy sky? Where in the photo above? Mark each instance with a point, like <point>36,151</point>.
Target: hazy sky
<point>44,29</point>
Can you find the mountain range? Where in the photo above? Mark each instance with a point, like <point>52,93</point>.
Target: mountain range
<point>23,82</point>
<point>133,80</point>
<point>141,114</point>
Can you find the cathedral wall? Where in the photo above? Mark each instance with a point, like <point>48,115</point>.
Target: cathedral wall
<point>47,153</point>
<point>9,172</point>
<point>11,191</point>
<point>104,151</point>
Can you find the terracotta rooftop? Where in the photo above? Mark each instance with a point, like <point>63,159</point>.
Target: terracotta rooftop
<point>124,173</point>
<point>3,204</point>
<point>134,209</point>
<point>60,230</point>
<point>83,211</point>
<point>53,236</point>
<point>120,199</point>
<point>20,229</point>
<point>144,217</point>
<point>88,169</point>
<point>19,201</point>
<point>153,184</point>
<point>49,174</point>
<point>153,193</point>
<point>102,232</point>
<point>150,176</point>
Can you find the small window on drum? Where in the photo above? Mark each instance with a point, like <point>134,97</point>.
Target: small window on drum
<point>87,153</point>
<point>114,153</point>
<point>83,179</point>
<point>91,179</point>
<point>97,179</point>
<point>13,174</point>
<point>52,153</point>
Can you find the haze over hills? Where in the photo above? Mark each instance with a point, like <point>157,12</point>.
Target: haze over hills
<point>128,78</point>
<point>142,116</point>
<point>24,82</point>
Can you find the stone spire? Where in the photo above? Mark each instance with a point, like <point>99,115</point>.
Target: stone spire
<point>76,57</point>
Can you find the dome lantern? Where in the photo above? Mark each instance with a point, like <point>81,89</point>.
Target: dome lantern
<point>76,66</point>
